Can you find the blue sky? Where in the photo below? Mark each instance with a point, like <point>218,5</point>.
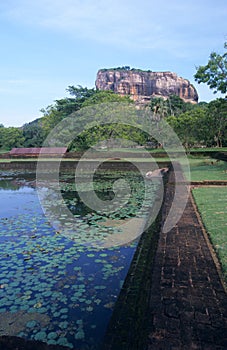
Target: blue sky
<point>47,45</point>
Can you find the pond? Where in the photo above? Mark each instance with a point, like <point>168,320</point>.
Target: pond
<point>57,286</point>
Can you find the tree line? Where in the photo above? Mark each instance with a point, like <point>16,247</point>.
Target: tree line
<point>202,124</point>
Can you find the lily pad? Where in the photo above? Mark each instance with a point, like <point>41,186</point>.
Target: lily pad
<point>52,335</point>
<point>63,325</point>
<point>90,255</point>
<point>62,341</point>
<point>63,310</point>
<point>31,324</point>
<point>80,335</point>
<point>40,336</point>
<point>89,308</point>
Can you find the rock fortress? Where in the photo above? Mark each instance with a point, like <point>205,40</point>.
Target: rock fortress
<point>141,85</point>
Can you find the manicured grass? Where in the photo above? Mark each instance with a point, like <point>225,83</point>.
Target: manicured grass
<point>212,205</point>
<point>205,168</point>
<point>136,150</point>
<point>4,160</point>
<point>209,149</point>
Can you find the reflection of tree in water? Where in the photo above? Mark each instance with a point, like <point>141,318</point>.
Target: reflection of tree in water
<point>9,185</point>
<point>16,181</point>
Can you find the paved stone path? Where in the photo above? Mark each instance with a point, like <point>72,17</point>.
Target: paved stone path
<point>188,305</point>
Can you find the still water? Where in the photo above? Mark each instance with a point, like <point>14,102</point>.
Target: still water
<point>55,287</point>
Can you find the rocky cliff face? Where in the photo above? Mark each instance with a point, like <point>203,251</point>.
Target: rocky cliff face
<point>143,85</point>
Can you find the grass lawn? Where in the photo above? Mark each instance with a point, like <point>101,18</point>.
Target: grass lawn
<point>205,168</point>
<point>209,149</point>
<point>212,205</point>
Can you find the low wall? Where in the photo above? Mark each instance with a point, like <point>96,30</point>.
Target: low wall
<point>48,166</point>
<point>128,325</point>
<point>130,321</point>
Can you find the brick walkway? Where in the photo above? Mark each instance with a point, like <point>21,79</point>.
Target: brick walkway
<point>188,305</point>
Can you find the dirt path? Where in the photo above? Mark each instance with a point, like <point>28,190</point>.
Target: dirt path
<point>188,304</point>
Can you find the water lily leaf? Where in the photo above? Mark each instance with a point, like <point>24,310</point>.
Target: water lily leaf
<point>31,324</point>
<point>80,335</point>
<point>109,305</point>
<point>63,310</point>
<point>40,336</point>
<point>90,255</point>
<point>79,322</point>
<point>63,325</point>
<point>100,287</point>
<point>38,305</point>
<point>89,308</point>
<point>62,341</point>
<point>51,342</point>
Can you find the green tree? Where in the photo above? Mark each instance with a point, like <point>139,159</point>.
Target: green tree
<point>62,108</point>
<point>159,107</point>
<point>177,105</point>
<point>51,117</point>
<point>216,121</point>
<point>83,97</point>
<point>105,97</point>
<point>204,125</point>
<point>214,73</point>
<point>33,134</point>
<point>11,137</point>
<point>190,127</point>
<point>97,122</point>
<point>111,133</point>
<point>79,92</point>
<point>173,105</point>
<point>80,95</point>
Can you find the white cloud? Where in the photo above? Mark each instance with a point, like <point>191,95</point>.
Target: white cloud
<point>169,26</point>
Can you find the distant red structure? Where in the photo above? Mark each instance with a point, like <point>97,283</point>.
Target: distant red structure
<point>37,151</point>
